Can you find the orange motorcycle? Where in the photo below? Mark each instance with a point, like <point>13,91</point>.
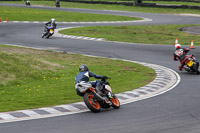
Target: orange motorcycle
<point>95,101</point>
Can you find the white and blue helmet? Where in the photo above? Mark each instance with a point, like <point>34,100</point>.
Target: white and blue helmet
<point>83,68</point>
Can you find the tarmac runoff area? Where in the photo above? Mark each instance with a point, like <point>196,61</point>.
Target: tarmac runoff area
<point>166,79</point>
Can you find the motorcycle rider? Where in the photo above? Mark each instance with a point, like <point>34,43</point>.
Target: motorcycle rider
<point>27,2</point>
<point>57,3</point>
<point>180,54</point>
<point>49,24</point>
<point>85,74</point>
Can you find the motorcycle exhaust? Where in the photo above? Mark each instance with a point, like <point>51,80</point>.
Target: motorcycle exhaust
<point>96,95</point>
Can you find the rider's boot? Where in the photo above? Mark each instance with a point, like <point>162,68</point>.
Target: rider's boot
<point>187,68</point>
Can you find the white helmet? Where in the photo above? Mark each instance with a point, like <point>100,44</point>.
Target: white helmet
<point>177,46</point>
<point>53,20</point>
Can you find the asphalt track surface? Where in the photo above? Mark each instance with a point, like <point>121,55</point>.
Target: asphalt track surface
<point>176,111</point>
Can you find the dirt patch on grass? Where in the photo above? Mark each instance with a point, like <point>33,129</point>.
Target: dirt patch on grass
<point>127,68</point>
<point>52,64</point>
<point>5,77</point>
<point>13,50</point>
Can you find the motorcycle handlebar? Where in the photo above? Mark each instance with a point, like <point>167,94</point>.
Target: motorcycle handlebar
<point>105,78</point>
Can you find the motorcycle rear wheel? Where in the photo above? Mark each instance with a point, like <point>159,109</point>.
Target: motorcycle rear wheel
<point>194,67</point>
<point>94,106</point>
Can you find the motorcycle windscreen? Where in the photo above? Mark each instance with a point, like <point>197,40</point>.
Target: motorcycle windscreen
<point>107,87</point>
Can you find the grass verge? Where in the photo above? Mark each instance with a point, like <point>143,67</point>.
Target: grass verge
<point>152,34</point>
<point>32,78</point>
<point>174,3</point>
<point>114,7</point>
<point>30,14</point>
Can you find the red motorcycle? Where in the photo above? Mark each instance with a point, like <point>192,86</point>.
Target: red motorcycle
<point>95,101</point>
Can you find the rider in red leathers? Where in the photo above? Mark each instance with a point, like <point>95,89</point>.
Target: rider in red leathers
<point>180,54</point>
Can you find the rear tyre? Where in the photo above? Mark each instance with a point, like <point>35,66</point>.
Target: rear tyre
<point>115,102</point>
<point>195,69</point>
<point>94,106</point>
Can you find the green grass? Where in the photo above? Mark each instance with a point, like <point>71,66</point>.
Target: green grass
<point>151,1</point>
<point>115,7</point>
<point>29,14</point>
<point>174,3</point>
<point>32,78</point>
<point>152,34</point>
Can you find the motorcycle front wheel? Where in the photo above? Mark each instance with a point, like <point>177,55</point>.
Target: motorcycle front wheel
<point>42,35</point>
<point>48,36</point>
<point>115,102</point>
<point>94,106</point>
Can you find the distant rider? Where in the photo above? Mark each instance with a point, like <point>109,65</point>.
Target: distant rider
<point>27,2</point>
<point>180,54</point>
<point>57,3</point>
<point>85,74</point>
<point>48,25</point>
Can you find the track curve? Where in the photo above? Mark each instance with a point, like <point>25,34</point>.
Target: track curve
<point>176,111</point>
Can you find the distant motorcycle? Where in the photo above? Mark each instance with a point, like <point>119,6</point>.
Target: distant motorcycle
<point>57,3</point>
<point>27,3</point>
<point>49,31</point>
<point>95,101</point>
<point>192,64</point>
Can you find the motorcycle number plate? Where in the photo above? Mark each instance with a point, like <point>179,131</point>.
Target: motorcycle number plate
<point>51,30</point>
<point>190,63</point>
